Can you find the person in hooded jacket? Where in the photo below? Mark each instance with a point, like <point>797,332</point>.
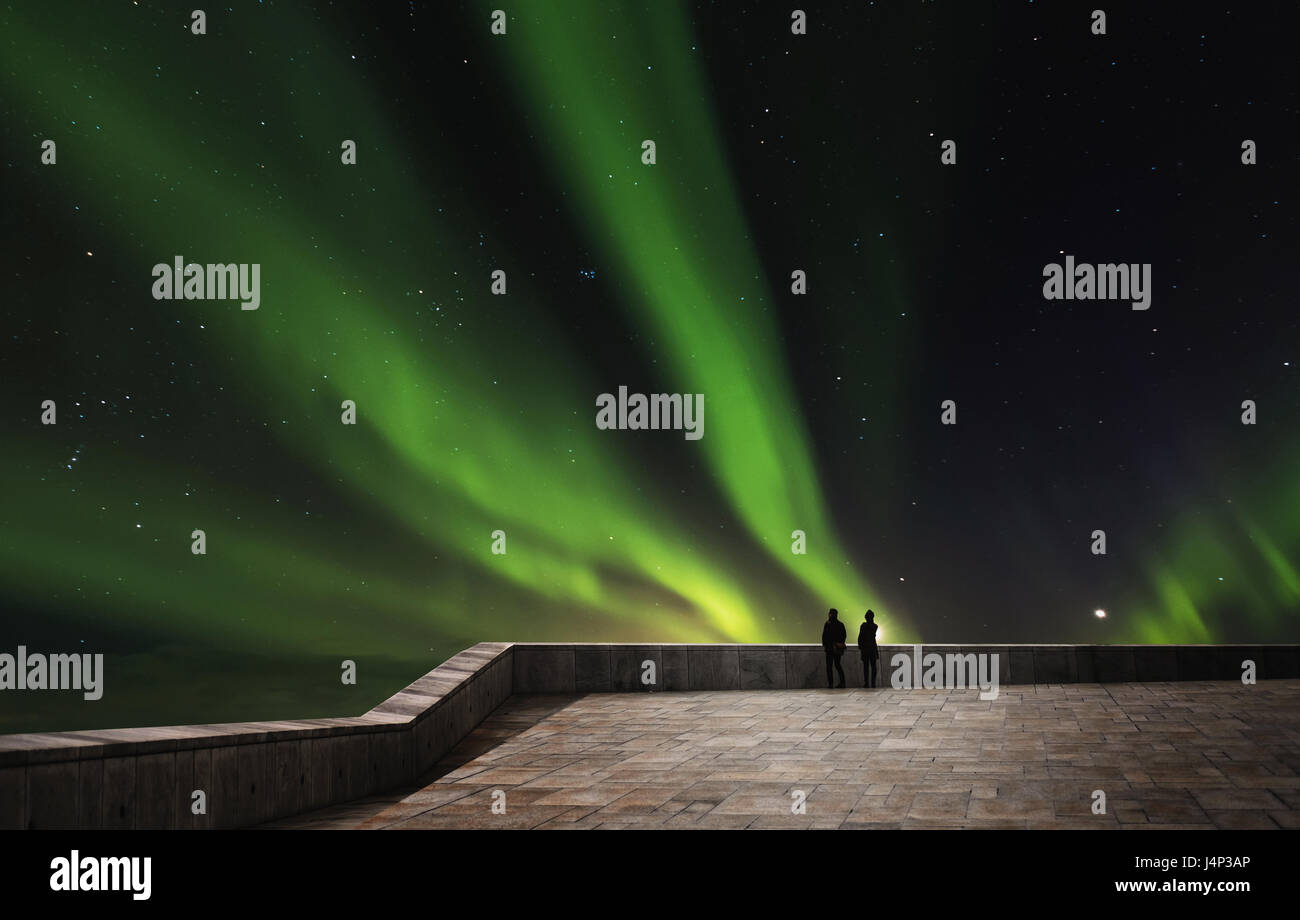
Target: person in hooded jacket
<point>867,646</point>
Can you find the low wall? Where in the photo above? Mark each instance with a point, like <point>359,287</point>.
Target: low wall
<point>600,668</point>
<point>251,772</point>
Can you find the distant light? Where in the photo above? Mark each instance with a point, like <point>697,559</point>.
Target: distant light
<point>1101,614</point>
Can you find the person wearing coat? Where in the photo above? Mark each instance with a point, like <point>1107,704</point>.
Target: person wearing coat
<point>833,638</point>
<point>870,651</point>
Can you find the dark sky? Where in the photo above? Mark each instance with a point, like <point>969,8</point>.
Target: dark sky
<point>521,152</point>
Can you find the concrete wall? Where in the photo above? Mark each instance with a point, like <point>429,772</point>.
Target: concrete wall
<point>601,668</point>
<point>251,771</point>
<point>258,771</point>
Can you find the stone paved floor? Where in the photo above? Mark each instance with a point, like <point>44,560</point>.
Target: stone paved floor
<point>1168,755</point>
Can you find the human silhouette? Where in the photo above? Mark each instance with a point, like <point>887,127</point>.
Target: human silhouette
<point>867,646</point>
<point>833,636</point>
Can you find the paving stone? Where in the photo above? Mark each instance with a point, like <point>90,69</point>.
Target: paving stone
<point>1192,754</point>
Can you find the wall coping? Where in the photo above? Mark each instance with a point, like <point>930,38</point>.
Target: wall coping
<point>399,712</point>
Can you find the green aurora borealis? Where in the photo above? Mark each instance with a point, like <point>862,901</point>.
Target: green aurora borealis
<point>372,542</point>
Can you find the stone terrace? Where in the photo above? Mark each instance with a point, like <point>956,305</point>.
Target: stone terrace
<point>1193,754</point>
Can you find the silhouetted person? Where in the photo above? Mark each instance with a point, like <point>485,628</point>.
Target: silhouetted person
<point>833,636</point>
<point>870,651</point>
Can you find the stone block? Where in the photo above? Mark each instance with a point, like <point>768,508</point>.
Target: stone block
<point>252,796</point>
<point>1113,664</point>
<point>90,793</point>
<point>1279,661</point>
<point>200,780</point>
<point>674,668</point>
<point>1155,662</point>
<point>52,795</point>
<point>628,664</point>
<point>155,788</point>
<point>1228,661</point>
<point>1055,665</point>
<point>592,669</point>
<point>1195,662</point>
<point>985,653</point>
<point>290,785</point>
<point>223,796</point>
<point>119,793</point>
<point>1022,664</point>
<point>13,798</point>
<point>1084,663</point>
<point>762,667</point>
<point>714,667</point>
<point>544,669</point>
<point>805,667</point>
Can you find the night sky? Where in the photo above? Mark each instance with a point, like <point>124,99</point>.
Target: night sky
<point>476,412</point>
